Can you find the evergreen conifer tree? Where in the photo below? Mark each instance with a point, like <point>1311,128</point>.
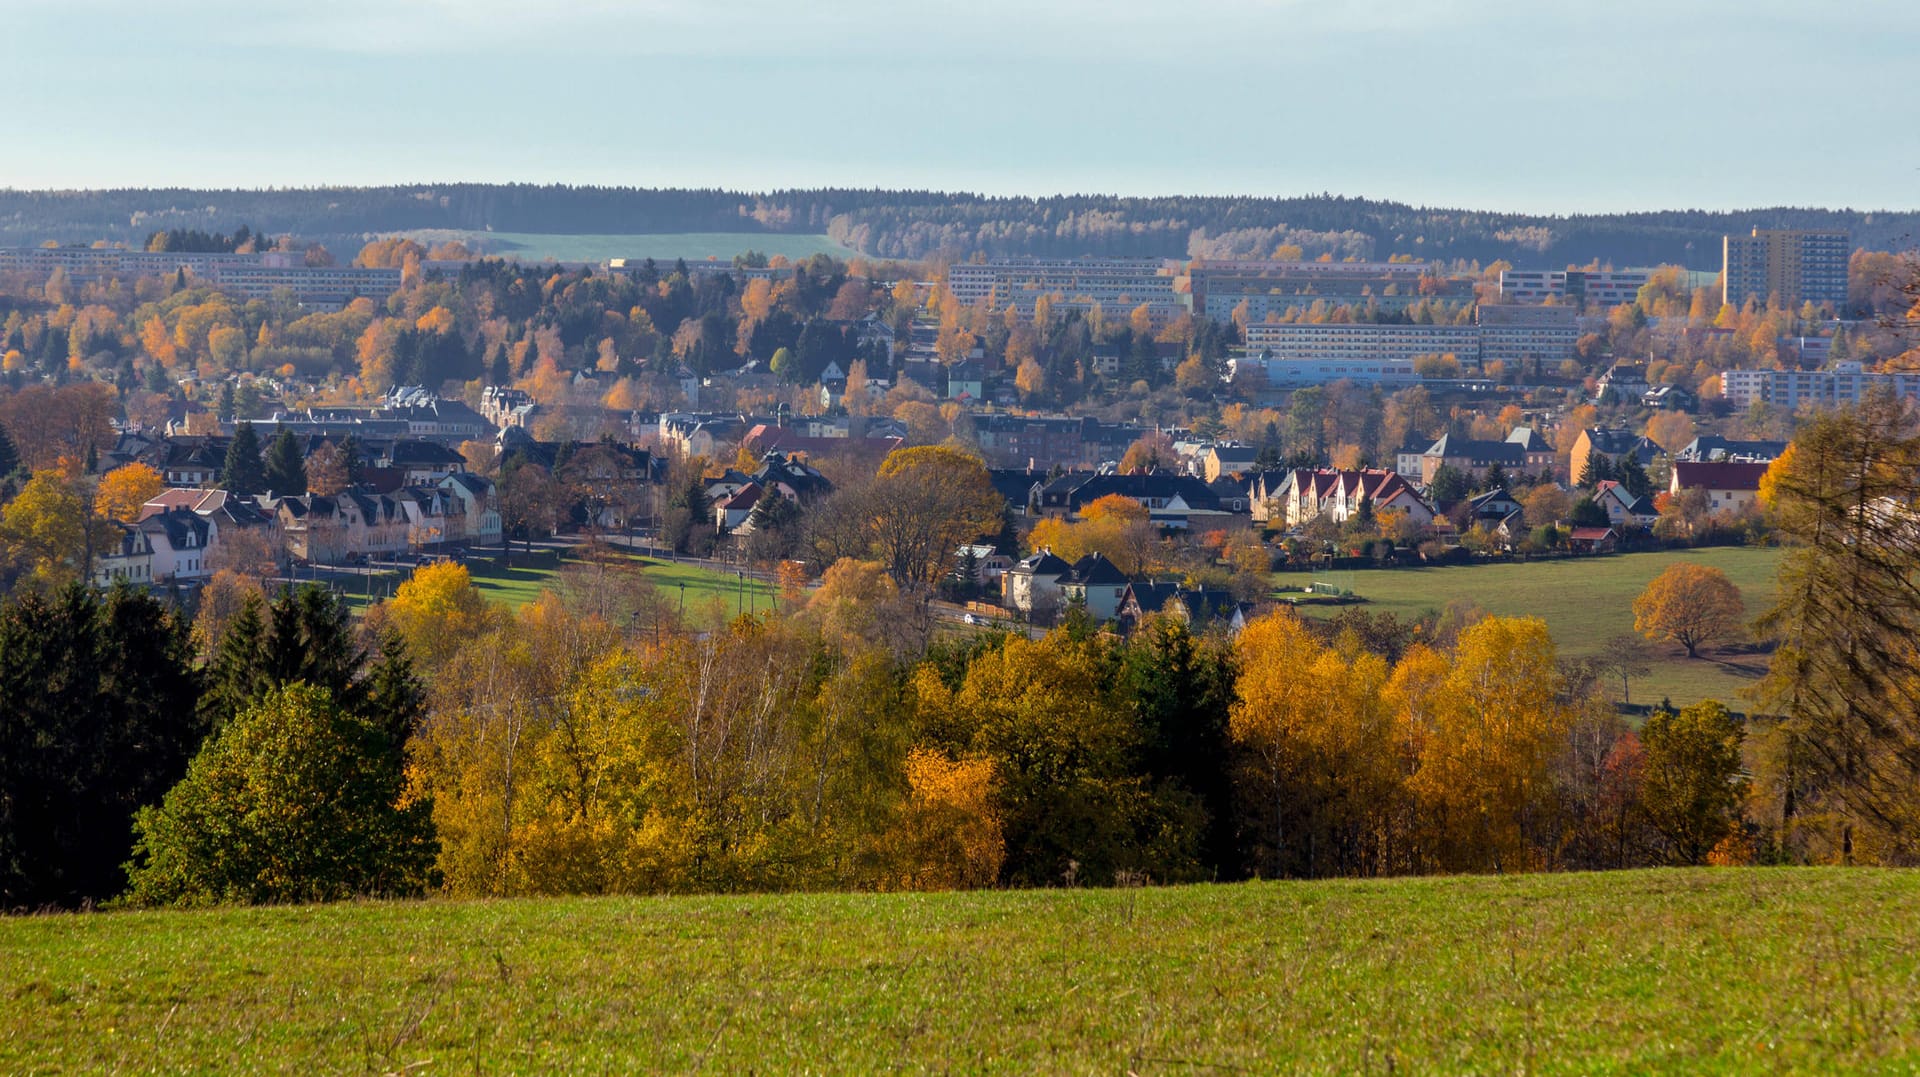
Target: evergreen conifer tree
<point>244,474</point>
<point>286,470</point>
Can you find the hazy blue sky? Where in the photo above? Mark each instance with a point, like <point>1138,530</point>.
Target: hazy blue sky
<point>1538,105</point>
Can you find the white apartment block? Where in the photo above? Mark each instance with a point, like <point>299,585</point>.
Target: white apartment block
<point>1273,288</point>
<point>1117,284</point>
<point>1515,334</point>
<point>250,276</point>
<point>1362,341</point>
<point>1581,287</point>
<point>1248,372</point>
<point>320,286</point>
<point>1845,384</point>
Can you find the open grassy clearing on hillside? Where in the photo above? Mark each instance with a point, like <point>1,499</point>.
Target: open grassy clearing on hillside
<point>693,246</point>
<point>1728,971</point>
<point>704,589</point>
<point>710,596</point>
<point>1584,601</point>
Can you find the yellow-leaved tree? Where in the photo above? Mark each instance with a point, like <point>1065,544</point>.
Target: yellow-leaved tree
<point>46,530</point>
<point>1493,722</point>
<point>949,836</point>
<point>438,610</point>
<point>1326,758</point>
<point>124,490</point>
<point>1692,605</point>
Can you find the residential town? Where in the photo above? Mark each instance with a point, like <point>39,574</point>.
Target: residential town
<point>1057,538</point>
<point>1322,412</point>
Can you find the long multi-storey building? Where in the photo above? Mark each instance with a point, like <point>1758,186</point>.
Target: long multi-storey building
<point>1786,267</point>
<point>1845,384</point>
<point>1118,285</point>
<point>1251,373</point>
<point>1273,288</point>
<point>1514,334</point>
<point>1362,341</point>
<point>1581,288</point>
<point>314,286</point>
<point>250,276</point>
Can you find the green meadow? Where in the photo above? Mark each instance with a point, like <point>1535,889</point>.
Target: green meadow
<point>707,596</point>
<point>1664,971</point>
<point>1585,601</point>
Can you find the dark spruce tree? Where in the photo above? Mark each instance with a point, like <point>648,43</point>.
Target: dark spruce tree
<point>1599,469</point>
<point>353,457</point>
<point>1449,484</point>
<point>1634,477</point>
<point>244,474</point>
<point>304,635</point>
<point>96,719</point>
<point>286,469</point>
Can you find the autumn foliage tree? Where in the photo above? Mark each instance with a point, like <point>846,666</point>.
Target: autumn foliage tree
<point>437,610</point>
<point>949,835</point>
<point>1689,604</point>
<point>1487,734</point>
<point>124,490</point>
<point>1691,787</point>
<point>1325,760</point>
<point>925,503</point>
<point>1846,667</point>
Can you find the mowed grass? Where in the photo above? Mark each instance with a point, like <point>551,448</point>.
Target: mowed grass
<point>1696,971</point>
<point>709,596</point>
<point>1585,601</point>
<point>665,246</point>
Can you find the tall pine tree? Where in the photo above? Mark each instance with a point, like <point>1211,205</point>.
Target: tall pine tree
<point>286,470</point>
<point>244,473</point>
<point>96,719</point>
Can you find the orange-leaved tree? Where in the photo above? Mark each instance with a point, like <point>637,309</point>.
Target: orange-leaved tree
<point>124,490</point>
<point>1690,604</point>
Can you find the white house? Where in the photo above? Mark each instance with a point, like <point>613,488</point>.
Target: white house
<point>128,557</point>
<point>479,515</point>
<point>1032,585</point>
<point>180,540</point>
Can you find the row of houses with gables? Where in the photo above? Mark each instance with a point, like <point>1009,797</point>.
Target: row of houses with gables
<point>1042,586</point>
<point>178,538</point>
<point>1292,498</point>
<point>460,510</point>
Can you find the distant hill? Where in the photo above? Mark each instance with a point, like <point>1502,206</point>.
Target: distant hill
<point>916,224</point>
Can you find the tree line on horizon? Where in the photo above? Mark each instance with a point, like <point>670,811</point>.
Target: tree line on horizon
<point>919,224</point>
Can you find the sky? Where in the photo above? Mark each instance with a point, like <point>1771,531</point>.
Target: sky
<point>1539,106</point>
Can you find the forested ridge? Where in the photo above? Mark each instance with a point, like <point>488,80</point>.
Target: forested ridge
<point>917,224</point>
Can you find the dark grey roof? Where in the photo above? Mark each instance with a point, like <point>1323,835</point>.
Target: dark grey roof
<point>1094,570</point>
<point>1494,452</point>
<point>1043,563</point>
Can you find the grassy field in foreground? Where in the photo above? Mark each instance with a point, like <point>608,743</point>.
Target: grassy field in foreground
<point>1584,601</point>
<point>1727,971</point>
<point>693,246</point>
